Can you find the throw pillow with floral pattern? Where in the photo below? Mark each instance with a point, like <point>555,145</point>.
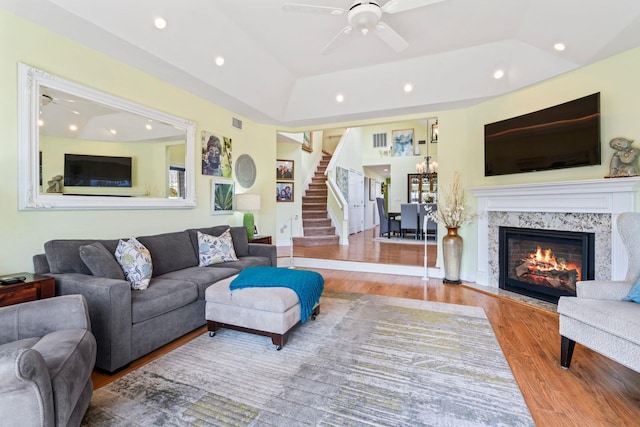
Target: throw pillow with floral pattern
<point>216,250</point>
<point>135,260</point>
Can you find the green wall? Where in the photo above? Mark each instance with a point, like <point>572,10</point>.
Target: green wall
<point>23,233</point>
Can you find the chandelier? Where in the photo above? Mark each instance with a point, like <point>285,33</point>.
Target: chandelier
<point>427,166</point>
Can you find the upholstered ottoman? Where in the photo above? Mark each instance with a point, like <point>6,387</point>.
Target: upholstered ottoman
<point>267,311</point>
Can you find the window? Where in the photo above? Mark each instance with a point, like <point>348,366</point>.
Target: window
<point>177,187</point>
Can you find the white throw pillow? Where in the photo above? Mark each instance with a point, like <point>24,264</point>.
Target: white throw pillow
<point>135,261</point>
<point>216,250</point>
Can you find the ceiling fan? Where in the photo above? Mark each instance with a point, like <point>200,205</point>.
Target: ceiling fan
<point>47,99</point>
<point>364,17</point>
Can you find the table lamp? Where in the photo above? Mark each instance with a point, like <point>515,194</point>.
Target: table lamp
<point>248,203</point>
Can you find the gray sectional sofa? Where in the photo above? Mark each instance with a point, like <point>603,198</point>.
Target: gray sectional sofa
<point>130,323</point>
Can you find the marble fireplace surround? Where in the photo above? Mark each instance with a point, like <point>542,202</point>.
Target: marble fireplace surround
<point>587,205</point>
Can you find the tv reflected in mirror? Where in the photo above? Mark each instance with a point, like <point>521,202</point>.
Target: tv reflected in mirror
<point>563,136</point>
<point>96,171</point>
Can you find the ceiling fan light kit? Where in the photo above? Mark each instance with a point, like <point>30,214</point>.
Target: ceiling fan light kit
<point>364,16</point>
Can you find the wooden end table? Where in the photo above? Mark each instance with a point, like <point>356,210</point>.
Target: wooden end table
<point>261,239</point>
<point>34,287</point>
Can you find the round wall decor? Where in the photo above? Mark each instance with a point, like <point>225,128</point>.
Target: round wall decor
<point>245,171</point>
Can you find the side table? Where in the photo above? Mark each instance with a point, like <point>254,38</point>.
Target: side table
<point>261,239</point>
<point>35,286</point>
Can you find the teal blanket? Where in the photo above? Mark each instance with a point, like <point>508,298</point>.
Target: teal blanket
<point>308,285</point>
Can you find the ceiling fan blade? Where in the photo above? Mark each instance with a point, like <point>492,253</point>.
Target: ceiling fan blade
<point>308,8</point>
<point>334,42</point>
<point>395,6</point>
<point>390,37</point>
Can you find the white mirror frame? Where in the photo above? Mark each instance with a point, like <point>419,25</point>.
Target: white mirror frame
<point>30,197</point>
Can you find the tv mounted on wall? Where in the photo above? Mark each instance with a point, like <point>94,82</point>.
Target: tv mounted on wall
<point>562,136</point>
<point>96,171</point>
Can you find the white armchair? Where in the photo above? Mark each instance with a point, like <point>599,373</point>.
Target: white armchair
<point>597,317</point>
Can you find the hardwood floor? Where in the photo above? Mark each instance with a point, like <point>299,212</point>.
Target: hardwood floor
<point>594,392</point>
<point>363,248</point>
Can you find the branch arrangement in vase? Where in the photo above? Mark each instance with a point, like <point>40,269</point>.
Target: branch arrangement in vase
<point>452,210</point>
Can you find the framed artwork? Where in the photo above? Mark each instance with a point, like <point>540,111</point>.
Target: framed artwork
<point>284,191</point>
<point>434,133</point>
<point>216,155</point>
<point>284,169</point>
<point>222,192</point>
<point>307,141</point>
<point>372,189</point>
<point>402,141</point>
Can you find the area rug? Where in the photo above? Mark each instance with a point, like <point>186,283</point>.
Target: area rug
<point>365,361</point>
<point>406,240</point>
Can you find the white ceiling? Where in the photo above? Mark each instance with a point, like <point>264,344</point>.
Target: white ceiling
<point>274,72</point>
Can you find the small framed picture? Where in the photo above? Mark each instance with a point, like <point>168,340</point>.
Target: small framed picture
<point>284,169</point>
<point>284,191</point>
<point>307,141</point>
<point>222,196</point>
<point>372,189</point>
<point>434,133</point>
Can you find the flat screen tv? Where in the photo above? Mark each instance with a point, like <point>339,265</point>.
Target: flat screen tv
<point>562,136</point>
<point>82,170</point>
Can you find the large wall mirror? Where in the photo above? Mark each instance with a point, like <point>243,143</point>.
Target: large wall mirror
<point>84,149</point>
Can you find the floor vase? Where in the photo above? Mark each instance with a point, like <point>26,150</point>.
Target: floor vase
<point>452,254</point>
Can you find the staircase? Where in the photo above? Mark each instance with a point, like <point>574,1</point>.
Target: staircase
<point>316,224</point>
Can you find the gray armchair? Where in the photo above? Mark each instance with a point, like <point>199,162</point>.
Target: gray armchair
<point>47,355</point>
<point>597,317</point>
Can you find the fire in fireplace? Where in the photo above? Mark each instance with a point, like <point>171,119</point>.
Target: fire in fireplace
<point>545,264</point>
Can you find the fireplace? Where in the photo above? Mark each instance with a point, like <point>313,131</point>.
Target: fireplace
<point>544,264</point>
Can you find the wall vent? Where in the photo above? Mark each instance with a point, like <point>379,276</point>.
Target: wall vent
<point>236,123</point>
<point>380,140</point>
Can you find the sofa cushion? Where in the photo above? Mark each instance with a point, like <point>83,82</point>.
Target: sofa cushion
<point>244,262</point>
<point>239,235</point>
<point>170,251</point>
<point>162,296</point>
<point>202,277</point>
<point>619,318</point>
<point>215,250</point>
<point>100,261</point>
<point>136,262</point>
<point>63,256</point>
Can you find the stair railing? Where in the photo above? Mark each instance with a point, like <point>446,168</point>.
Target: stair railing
<point>337,208</point>
<point>337,205</point>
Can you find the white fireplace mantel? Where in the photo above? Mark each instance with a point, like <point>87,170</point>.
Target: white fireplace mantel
<point>605,196</point>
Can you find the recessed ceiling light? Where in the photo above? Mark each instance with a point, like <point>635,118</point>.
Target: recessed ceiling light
<point>408,87</point>
<point>148,127</point>
<point>40,122</point>
<point>113,131</point>
<point>498,74</point>
<point>337,12</point>
<point>559,47</point>
<point>160,23</point>
<point>339,97</point>
<point>220,61</point>
<point>73,128</point>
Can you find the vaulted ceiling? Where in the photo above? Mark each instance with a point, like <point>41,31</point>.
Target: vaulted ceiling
<point>274,71</point>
